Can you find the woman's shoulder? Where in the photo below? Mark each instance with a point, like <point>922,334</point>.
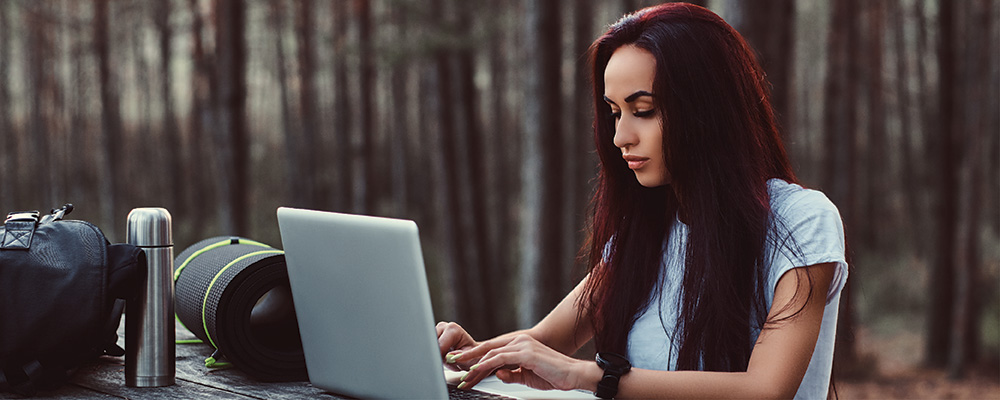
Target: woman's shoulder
<point>790,199</point>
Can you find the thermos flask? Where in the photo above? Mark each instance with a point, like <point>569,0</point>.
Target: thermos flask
<point>149,323</point>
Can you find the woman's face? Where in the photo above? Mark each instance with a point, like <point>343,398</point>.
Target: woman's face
<point>628,89</point>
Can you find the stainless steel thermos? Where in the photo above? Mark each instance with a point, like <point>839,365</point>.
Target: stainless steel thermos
<point>149,323</point>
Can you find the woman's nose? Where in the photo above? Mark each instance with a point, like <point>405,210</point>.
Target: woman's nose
<point>624,136</point>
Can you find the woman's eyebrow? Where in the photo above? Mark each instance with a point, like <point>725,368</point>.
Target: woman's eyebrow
<point>637,95</point>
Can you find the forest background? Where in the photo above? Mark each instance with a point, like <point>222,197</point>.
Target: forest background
<point>473,118</point>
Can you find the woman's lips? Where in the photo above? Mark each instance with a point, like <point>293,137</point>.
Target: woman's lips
<point>635,162</point>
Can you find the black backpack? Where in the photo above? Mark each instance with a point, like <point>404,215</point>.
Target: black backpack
<point>63,287</point>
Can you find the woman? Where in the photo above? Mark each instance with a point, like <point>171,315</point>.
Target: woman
<point>714,274</point>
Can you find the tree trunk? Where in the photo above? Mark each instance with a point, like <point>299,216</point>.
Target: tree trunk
<point>343,121</point>
<point>8,164</point>
<point>201,176</point>
<point>480,251</point>
<point>768,27</point>
<point>531,169</point>
<point>110,120</point>
<point>971,100</point>
<point>908,132</point>
<point>437,127</point>
<point>553,165</point>
<point>368,182</point>
<point>583,167</point>
<point>293,147</point>
<point>234,143</point>
<point>400,132</point>
<point>840,130</point>
<point>878,155</point>
<point>309,144</point>
<point>504,168</point>
<point>943,271</point>
<point>171,133</point>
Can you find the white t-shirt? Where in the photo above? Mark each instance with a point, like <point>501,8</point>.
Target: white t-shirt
<point>818,233</point>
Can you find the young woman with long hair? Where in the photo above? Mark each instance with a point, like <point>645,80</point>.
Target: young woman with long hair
<point>714,274</point>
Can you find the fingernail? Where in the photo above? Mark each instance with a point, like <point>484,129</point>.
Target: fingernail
<point>465,376</point>
<point>461,385</point>
<point>452,358</point>
<point>473,367</point>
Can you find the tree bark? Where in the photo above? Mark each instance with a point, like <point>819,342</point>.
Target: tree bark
<point>110,120</point>
<point>309,144</point>
<point>400,132</point>
<point>234,145</point>
<point>202,118</point>
<point>553,167</point>
<point>343,121</point>
<point>368,182</point>
<point>480,253</point>
<point>293,147</point>
<point>908,141</point>
<point>583,167</point>
<point>840,130</point>
<point>873,234</point>
<point>8,152</point>
<point>171,133</point>
<point>769,28</point>
<point>531,167</point>
<point>964,345</point>
<point>943,270</point>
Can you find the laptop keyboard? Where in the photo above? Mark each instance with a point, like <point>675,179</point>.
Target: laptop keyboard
<point>454,393</point>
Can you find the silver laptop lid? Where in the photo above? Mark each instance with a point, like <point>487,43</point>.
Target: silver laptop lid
<point>362,303</point>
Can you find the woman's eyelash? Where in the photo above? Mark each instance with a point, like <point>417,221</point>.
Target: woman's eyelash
<point>616,114</point>
<point>644,114</point>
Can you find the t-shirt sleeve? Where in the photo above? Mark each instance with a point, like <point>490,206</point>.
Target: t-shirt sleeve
<point>809,231</point>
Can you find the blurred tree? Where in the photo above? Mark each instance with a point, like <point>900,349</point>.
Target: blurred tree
<point>309,133</point>
<point>113,167</point>
<point>171,134</point>
<point>233,144</point>
<point>872,235</point>
<point>942,275</point>
<point>366,51</point>
<point>8,143</point>
<point>200,171</point>
<point>840,125</point>
<point>530,220</point>
<point>343,115</point>
<point>768,27</point>
<point>295,171</point>
<point>474,180</point>
<point>582,160</point>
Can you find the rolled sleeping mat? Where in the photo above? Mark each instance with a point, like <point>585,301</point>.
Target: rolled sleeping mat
<point>233,293</point>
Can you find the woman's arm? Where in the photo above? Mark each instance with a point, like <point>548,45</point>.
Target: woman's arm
<point>778,362</point>
<point>779,359</point>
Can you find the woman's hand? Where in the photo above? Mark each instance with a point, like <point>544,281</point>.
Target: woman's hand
<point>453,341</point>
<point>523,359</point>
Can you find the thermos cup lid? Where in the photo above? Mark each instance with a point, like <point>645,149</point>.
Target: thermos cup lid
<point>149,226</point>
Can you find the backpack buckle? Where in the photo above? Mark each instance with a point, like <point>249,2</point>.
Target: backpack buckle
<point>19,227</point>
<point>22,216</point>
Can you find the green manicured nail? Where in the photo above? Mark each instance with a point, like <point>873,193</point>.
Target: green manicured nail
<point>452,358</point>
<point>473,367</point>
<point>461,385</point>
<point>465,376</point>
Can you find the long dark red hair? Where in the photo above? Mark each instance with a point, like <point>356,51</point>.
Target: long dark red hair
<point>721,145</point>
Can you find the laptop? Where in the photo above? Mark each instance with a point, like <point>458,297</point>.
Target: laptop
<point>364,308</point>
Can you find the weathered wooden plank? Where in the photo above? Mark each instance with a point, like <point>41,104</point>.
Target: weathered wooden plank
<point>105,378</point>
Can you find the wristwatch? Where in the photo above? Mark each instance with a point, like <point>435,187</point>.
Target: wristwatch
<point>614,367</point>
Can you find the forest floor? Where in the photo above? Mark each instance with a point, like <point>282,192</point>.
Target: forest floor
<point>896,373</point>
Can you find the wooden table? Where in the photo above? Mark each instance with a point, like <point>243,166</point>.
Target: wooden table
<point>105,379</point>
